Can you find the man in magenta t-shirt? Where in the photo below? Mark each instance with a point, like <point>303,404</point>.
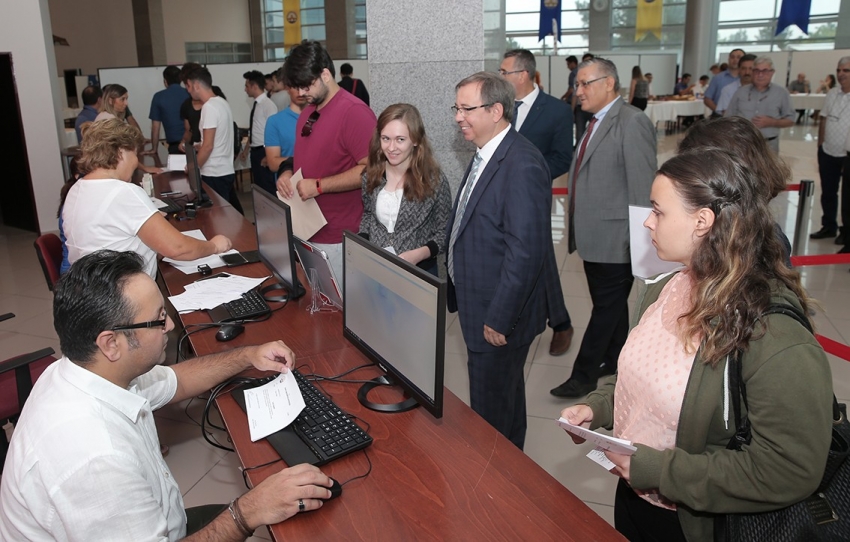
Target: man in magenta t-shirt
<point>331,146</point>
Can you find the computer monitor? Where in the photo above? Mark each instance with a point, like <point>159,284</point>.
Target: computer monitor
<point>194,173</point>
<point>273,221</point>
<point>395,313</point>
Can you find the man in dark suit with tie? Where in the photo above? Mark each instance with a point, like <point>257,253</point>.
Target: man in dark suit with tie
<point>499,243</point>
<point>548,123</point>
<point>614,168</point>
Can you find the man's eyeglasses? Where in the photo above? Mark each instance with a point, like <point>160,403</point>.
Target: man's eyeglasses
<point>141,325</point>
<point>505,72</point>
<point>464,111</point>
<point>583,84</point>
<point>308,127</point>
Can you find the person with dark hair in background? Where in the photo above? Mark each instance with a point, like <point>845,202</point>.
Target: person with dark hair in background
<point>278,94</point>
<point>261,110</point>
<point>190,111</point>
<point>84,462</point>
<point>331,147</point>
<point>352,85</point>
<point>215,155</point>
<point>720,80</point>
<point>406,198</point>
<point>165,111</point>
<point>280,134</point>
<point>701,330</point>
<point>92,100</point>
<point>684,86</point>
<point>547,122</point>
<point>572,64</point>
<point>613,169</point>
<point>638,89</point>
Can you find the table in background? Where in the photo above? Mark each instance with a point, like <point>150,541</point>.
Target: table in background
<point>807,101</point>
<point>449,478</point>
<point>671,110</point>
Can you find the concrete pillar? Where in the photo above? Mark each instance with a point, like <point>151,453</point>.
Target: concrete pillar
<point>842,33</point>
<point>599,28</point>
<point>698,50</point>
<point>419,51</point>
<point>340,38</point>
<point>150,32</point>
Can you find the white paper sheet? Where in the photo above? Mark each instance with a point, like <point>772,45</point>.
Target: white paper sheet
<point>616,445</point>
<point>191,266</point>
<point>645,261</point>
<point>208,293</point>
<point>273,406</point>
<point>597,455</point>
<point>307,218</point>
<point>176,162</point>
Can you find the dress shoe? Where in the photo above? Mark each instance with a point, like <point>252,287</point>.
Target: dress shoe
<point>561,341</point>
<point>840,240</point>
<point>572,388</point>
<point>844,250</point>
<point>823,233</point>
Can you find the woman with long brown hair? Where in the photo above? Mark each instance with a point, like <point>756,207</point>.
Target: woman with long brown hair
<point>697,327</point>
<point>406,198</point>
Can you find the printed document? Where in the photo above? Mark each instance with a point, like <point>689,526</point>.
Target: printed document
<point>273,406</point>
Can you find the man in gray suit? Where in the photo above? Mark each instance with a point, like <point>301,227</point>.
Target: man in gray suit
<point>614,167</point>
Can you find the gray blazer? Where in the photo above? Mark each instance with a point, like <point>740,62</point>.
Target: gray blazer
<point>419,223</point>
<point>619,166</point>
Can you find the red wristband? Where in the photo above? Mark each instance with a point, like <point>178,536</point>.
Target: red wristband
<point>319,185</point>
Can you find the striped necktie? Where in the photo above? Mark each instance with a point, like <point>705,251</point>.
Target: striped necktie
<point>461,208</point>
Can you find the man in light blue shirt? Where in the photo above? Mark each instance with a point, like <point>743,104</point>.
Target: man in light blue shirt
<point>712,95</point>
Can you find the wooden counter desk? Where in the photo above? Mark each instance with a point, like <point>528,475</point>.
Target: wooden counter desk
<point>454,478</point>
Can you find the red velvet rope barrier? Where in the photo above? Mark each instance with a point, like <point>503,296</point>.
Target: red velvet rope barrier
<point>834,347</point>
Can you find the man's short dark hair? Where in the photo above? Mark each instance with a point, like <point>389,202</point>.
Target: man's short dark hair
<point>703,78</point>
<point>256,77</point>
<point>171,74</point>
<point>747,58</point>
<point>524,60</point>
<point>186,69</point>
<point>686,76</point>
<point>346,70</point>
<point>91,94</point>
<point>90,298</point>
<point>573,59</point>
<point>201,75</point>
<point>586,56</point>
<point>305,64</point>
<point>737,49</point>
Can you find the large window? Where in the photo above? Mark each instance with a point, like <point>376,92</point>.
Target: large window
<point>522,22</point>
<point>751,25</point>
<point>623,22</point>
<point>312,25</point>
<point>217,52</point>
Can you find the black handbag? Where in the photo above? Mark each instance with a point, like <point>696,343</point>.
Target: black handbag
<point>823,516</point>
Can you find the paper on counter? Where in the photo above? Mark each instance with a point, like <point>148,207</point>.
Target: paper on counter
<point>273,406</point>
<point>176,162</point>
<point>616,445</point>
<point>645,261</point>
<point>208,293</point>
<point>307,218</point>
<point>159,203</point>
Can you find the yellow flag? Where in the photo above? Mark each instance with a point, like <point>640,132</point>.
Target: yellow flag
<point>648,19</point>
<point>291,23</point>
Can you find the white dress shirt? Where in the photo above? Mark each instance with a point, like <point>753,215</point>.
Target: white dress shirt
<point>522,111</point>
<point>487,152</point>
<point>265,109</point>
<point>84,462</point>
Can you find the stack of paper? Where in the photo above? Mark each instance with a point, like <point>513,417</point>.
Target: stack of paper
<point>602,442</point>
<point>191,266</point>
<point>208,293</point>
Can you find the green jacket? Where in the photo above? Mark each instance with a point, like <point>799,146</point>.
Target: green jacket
<point>789,389</point>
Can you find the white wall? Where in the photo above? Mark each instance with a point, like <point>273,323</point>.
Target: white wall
<point>202,20</point>
<point>100,34</point>
<point>25,33</point>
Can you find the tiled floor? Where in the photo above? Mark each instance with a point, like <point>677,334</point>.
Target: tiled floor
<point>206,474</point>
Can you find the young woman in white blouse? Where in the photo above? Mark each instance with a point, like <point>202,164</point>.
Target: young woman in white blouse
<point>105,210</point>
<point>406,198</point>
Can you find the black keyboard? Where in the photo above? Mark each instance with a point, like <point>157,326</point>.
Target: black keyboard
<point>324,427</point>
<point>171,206</point>
<point>252,305</point>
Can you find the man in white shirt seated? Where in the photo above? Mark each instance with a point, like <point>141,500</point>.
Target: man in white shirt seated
<point>84,461</point>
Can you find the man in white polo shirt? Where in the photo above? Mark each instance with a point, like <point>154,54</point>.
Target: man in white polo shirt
<point>215,155</point>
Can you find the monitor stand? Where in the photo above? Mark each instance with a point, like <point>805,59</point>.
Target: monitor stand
<point>364,390</point>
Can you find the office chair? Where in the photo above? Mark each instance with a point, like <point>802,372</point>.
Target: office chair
<point>16,379</point>
<point>48,247</point>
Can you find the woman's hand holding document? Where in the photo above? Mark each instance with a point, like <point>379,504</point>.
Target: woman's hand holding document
<point>307,218</point>
<point>603,443</point>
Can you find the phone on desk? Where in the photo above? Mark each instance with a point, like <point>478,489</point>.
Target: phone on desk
<point>240,258</point>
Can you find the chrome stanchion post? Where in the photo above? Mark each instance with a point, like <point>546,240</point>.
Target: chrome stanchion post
<point>804,211</point>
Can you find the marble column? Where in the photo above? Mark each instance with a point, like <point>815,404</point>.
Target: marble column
<point>698,50</point>
<point>419,51</point>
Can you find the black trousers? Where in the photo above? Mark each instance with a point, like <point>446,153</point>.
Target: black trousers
<point>640,521</point>
<point>225,186</point>
<point>497,390</point>
<point>830,178</point>
<point>609,284</point>
<point>261,175</point>
<point>640,103</point>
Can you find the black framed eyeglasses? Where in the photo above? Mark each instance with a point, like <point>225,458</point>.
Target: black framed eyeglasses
<point>141,325</point>
<point>583,84</point>
<point>308,127</point>
<point>464,111</point>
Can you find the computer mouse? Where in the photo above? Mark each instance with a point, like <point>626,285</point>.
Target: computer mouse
<point>228,332</point>
<point>336,490</point>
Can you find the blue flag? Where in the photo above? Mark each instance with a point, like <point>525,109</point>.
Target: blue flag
<point>794,12</point>
<point>550,9</point>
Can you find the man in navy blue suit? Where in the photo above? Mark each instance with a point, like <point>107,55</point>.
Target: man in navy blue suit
<point>499,244</point>
<point>548,123</point>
